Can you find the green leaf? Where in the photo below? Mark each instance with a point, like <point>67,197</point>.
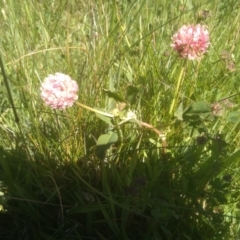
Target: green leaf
<point>198,111</point>
<point>198,107</point>
<point>132,94</point>
<point>4,161</point>
<point>87,208</point>
<point>103,118</point>
<point>231,159</point>
<point>114,95</point>
<point>179,112</point>
<point>233,117</point>
<point>104,142</point>
<point>107,139</point>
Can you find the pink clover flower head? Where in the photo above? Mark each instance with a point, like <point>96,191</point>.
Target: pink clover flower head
<point>191,41</point>
<point>59,91</point>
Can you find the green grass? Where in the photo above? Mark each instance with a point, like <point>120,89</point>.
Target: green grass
<point>57,182</point>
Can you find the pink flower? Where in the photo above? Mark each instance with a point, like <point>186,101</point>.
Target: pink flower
<point>59,91</point>
<point>191,41</point>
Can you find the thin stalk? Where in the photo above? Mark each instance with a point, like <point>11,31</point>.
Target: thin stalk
<point>161,135</point>
<point>17,120</point>
<point>149,126</point>
<point>143,124</point>
<point>176,95</point>
<point>95,110</point>
<point>8,91</point>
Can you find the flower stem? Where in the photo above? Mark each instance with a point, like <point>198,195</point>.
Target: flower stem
<point>161,135</point>
<point>143,124</point>
<point>95,110</point>
<point>176,95</point>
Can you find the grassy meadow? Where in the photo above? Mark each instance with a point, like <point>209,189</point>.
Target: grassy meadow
<point>173,174</point>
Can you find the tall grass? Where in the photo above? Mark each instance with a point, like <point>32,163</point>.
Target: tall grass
<point>55,182</point>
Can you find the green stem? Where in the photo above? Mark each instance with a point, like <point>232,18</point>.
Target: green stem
<point>143,124</point>
<point>9,91</point>
<point>95,110</point>
<point>179,84</point>
<point>13,106</point>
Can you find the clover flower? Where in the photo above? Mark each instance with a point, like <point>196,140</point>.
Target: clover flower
<point>219,108</point>
<point>59,91</point>
<point>191,41</point>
